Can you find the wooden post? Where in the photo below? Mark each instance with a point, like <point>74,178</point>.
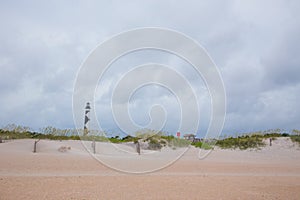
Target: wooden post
<point>138,148</point>
<point>94,146</point>
<point>34,147</point>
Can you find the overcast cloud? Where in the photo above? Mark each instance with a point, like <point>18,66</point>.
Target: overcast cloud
<point>255,45</point>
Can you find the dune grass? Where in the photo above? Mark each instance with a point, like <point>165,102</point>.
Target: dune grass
<point>295,138</point>
<point>242,142</point>
<point>156,140</point>
<point>203,145</point>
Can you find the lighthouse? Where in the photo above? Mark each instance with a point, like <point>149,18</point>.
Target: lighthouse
<point>86,118</point>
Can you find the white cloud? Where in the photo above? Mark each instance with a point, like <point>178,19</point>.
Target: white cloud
<point>254,43</point>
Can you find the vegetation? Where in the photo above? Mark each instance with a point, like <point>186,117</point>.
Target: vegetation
<point>295,138</point>
<point>117,139</point>
<point>295,132</point>
<point>203,145</point>
<point>4,134</point>
<point>179,143</point>
<point>155,144</point>
<point>250,140</point>
<point>242,142</point>
<point>156,140</point>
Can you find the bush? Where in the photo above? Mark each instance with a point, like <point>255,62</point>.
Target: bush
<point>128,138</point>
<point>177,142</point>
<point>295,138</point>
<point>202,145</point>
<point>14,135</point>
<point>241,142</point>
<point>154,144</point>
<point>274,135</point>
<point>168,138</point>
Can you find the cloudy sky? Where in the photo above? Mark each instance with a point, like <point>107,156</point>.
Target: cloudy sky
<point>255,45</point>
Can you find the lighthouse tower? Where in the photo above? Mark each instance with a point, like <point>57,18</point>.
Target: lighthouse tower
<point>86,118</point>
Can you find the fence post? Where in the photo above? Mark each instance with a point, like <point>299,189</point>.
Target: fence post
<point>35,144</point>
<point>94,146</point>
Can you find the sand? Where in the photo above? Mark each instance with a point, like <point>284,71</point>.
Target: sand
<point>270,173</point>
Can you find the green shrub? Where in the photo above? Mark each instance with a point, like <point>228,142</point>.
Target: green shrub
<point>275,135</point>
<point>177,142</point>
<point>128,138</point>
<point>154,144</point>
<point>295,138</point>
<point>115,140</point>
<point>203,145</point>
<point>242,142</point>
<point>168,138</point>
<point>14,135</point>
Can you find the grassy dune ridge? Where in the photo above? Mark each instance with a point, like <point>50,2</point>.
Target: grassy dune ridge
<point>155,140</point>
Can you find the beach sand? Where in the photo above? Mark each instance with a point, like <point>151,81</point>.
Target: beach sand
<point>270,173</point>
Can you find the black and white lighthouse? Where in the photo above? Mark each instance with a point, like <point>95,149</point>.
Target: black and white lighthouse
<point>86,118</point>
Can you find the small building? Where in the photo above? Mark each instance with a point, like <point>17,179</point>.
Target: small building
<point>190,137</point>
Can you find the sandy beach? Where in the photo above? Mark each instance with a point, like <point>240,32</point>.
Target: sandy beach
<point>270,173</point>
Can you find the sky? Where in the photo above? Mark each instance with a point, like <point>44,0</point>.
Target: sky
<point>255,45</point>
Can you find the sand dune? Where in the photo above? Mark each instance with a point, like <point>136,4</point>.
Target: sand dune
<point>270,173</point>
